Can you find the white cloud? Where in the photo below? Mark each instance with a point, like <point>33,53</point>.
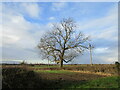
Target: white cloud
<point>15,29</point>
<point>100,23</point>
<point>110,58</point>
<point>57,6</point>
<point>32,9</point>
<point>0,35</point>
<point>101,50</point>
<point>105,30</point>
<point>20,37</point>
<point>51,18</point>
<point>0,25</point>
<point>102,28</point>
<point>107,33</point>
<point>21,33</point>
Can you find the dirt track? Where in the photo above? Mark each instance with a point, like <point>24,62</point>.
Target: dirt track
<point>74,76</point>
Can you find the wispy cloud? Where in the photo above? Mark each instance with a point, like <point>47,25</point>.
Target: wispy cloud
<point>20,37</point>
<point>21,31</point>
<point>32,9</point>
<point>104,35</point>
<point>104,27</point>
<point>57,6</point>
<point>51,18</point>
<point>101,50</point>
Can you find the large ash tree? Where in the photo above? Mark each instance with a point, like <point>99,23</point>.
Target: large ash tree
<point>63,43</point>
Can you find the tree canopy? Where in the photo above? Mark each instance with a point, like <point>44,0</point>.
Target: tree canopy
<point>63,43</point>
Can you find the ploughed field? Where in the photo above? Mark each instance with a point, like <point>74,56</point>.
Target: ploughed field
<point>51,76</point>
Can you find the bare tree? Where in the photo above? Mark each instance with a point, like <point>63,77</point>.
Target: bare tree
<point>63,43</point>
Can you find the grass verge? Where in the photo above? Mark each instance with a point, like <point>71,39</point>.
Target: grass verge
<point>107,82</point>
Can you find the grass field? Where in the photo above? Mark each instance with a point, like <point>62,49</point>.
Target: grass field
<point>107,82</point>
<point>79,79</point>
<point>53,71</point>
<point>71,76</point>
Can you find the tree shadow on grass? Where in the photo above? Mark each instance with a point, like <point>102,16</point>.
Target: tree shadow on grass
<point>20,78</point>
<point>23,78</point>
<point>65,84</point>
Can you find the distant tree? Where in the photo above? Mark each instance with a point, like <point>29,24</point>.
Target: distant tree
<point>23,62</point>
<point>63,43</point>
<point>117,63</point>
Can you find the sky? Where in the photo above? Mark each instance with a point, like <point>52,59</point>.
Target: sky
<point>23,24</point>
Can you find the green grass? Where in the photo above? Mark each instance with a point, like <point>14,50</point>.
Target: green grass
<point>61,79</point>
<point>53,71</point>
<point>46,66</point>
<point>107,82</point>
<point>57,66</point>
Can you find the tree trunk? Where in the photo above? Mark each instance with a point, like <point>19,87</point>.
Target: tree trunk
<point>61,63</point>
<point>61,58</point>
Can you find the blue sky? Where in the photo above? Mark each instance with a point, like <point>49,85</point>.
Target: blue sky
<point>24,23</point>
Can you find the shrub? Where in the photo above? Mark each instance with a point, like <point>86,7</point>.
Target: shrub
<point>117,63</point>
<point>20,78</point>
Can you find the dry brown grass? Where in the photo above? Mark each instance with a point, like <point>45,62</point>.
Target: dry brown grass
<point>97,73</point>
